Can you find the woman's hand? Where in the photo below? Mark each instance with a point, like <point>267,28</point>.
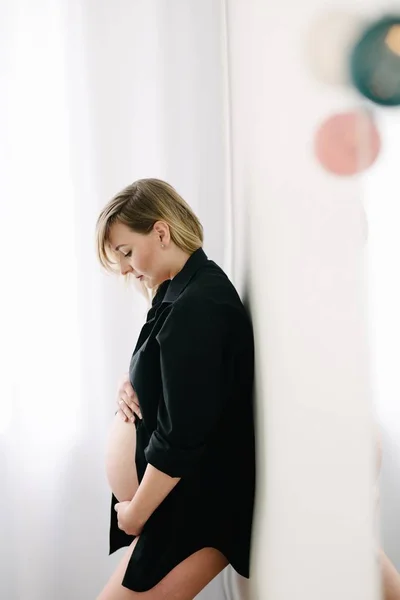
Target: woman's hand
<point>126,521</point>
<point>127,400</point>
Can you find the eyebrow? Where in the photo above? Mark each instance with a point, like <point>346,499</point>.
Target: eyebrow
<point>120,246</point>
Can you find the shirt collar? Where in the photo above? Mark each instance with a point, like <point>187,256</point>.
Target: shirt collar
<point>181,280</point>
<point>160,293</point>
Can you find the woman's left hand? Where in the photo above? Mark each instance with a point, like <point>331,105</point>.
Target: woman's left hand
<point>126,521</point>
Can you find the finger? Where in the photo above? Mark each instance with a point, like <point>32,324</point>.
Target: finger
<point>131,410</point>
<point>126,405</point>
<point>116,506</point>
<point>125,409</point>
<point>122,415</point>
<point>128,389</point>
<point>132,403</point>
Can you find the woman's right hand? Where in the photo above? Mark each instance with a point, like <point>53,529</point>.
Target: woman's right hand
<point>127,400</point>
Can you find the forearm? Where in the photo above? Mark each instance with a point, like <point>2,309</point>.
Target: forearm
<point>153,489</point>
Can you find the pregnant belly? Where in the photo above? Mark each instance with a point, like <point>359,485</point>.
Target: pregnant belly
<point>120,459</point>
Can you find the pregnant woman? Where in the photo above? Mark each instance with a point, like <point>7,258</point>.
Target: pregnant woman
<point>182,470</point>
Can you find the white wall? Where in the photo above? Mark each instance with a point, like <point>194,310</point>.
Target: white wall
<point>383,211</point>
<point>305,273</point>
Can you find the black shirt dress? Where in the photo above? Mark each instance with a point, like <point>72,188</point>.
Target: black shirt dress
<point>192,370</point>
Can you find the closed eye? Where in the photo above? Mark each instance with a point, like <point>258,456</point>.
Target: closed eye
<point>128,254</point>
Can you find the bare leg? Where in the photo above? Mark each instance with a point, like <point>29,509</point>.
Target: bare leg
<point>184,582</point>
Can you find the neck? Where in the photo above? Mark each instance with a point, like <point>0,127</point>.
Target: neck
<point>179,261</point>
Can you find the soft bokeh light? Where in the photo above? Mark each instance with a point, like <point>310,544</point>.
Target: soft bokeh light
<point>392,39</point>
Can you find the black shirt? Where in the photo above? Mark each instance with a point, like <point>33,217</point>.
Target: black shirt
<point>192,370</point>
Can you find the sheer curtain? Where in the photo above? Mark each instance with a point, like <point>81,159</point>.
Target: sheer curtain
<point>94,95</point>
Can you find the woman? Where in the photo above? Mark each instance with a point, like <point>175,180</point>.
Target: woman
<point>183,473</point>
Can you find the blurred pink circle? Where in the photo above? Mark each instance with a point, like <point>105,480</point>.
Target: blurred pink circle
<point>348,143</point>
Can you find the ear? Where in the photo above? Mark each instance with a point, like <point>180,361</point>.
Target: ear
<point>161,229</point>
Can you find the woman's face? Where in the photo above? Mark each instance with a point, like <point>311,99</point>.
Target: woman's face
<point>139,254</point>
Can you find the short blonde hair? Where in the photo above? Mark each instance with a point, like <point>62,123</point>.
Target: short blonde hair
<point>139,206</point>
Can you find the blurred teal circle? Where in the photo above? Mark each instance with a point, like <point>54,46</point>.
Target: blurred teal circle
<point>375,62</point>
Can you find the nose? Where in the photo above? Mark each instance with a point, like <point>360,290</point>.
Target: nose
<point>125,268</point>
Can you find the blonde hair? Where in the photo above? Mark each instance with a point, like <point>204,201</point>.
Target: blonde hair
<point>139,206</point>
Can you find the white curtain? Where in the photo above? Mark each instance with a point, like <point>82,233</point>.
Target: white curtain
<point>94,95</point>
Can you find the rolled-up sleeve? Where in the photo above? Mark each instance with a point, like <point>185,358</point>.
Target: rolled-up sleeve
<point>194,386</point>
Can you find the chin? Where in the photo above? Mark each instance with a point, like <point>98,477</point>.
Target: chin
<point>140,287</point>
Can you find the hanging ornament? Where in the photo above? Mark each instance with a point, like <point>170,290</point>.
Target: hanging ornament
<point>375,62</point>
<point>347,143</point>
<point>330,40</point>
